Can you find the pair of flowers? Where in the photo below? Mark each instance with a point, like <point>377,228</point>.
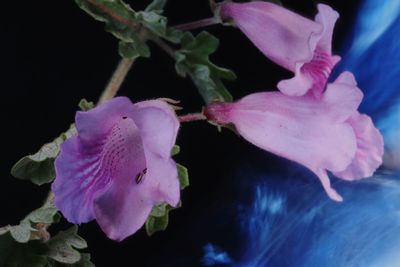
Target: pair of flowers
<point>308,121</point>
<point>119,164</point>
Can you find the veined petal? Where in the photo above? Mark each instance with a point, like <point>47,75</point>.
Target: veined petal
<point>311,76</point>
<point>282,35</point>
<point>97,123</point>
<point>297,128</point>
<point>86,168</point>
<point>158,124</point>
<point>73,168</point>
<point>303,129</point>
<point>118,166</point>
<point>369,149</point>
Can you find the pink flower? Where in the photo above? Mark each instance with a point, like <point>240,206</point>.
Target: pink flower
<point>296,43</point>
<point>326,134</point>
<point>118,166</point>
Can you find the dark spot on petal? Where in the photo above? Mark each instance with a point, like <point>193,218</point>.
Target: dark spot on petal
<point>124,117</point>
<point>139,178</point>
<point>144,171</point>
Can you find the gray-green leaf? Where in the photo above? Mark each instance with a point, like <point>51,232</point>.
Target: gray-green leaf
<point>62,246</point>
<point>39,167</point>
<point>193,60</point>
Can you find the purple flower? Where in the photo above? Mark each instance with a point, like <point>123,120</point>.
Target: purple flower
<point>326,134</point>
<point>118,166</point>
<point>294,42</point>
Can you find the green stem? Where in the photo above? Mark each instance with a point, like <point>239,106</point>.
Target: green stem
<point>116,79</point>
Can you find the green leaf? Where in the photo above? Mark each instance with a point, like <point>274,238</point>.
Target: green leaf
<point>85,105</point>
<point>84,262</point>
<point>183,176</point>
<point>159,210</point>
<point>157,24</point>
<point>175,150</point>
<point>22,232</point>
<point>33,254</point>
<point>47,214</point>
<point>158,223</point>
<point>127,50</point>
<point>193,60</point>
<point>62,246</point>
<point>27,229</point>
<point>156,5</point>
<point>121,21</point>
<point>39,167</point>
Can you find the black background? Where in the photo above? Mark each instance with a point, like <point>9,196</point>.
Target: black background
<point>53,54</point>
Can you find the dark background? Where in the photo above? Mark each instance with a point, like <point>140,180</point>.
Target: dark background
<point>53,54</point>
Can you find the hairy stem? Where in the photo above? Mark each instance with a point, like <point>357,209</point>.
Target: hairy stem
<point>192,117</point>
<point>116,79</point>
<point>197,24</point>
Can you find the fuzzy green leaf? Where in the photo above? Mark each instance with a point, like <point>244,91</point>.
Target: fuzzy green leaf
<point>33,254</point>
<point>121,21</point>
<point>159,210</point>
<point>39,167</point>
<point>193,60</point>
<point>26,230</point>
<point>156,6</point>
<point>175,150</point>
<point>157,24</point>
<point>84,262</point>
<point>183,176</point>
<point>158,223</point>
<point>62,246</point>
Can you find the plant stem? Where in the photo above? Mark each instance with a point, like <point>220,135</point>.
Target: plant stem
<point>192,117</point>
<point>116,79</point>
<point>197,24</point>
<point>163,45</point>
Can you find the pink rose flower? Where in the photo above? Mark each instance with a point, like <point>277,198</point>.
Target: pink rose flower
<point>296,43</point>
<point>326,134</point>
<point>118,166</point>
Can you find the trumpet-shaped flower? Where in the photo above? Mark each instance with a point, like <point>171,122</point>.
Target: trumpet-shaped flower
<point>326,134</point>
<point>296,43</point>
<point>118,165</point>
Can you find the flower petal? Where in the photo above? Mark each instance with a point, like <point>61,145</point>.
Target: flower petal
<point>326,184</point>
<point>342,97</point>
<point>98,122</point>
<point>127,203</point>
<point>327,17</point>
<point>369,149</point>
<point>158,125</point>
<point>163,175</point>
<point>310,76</point>
<point>282,35</point>
<point>296,128</point>
<point>86,168</point>
<point>73,167</point>
<point>123,208</point>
